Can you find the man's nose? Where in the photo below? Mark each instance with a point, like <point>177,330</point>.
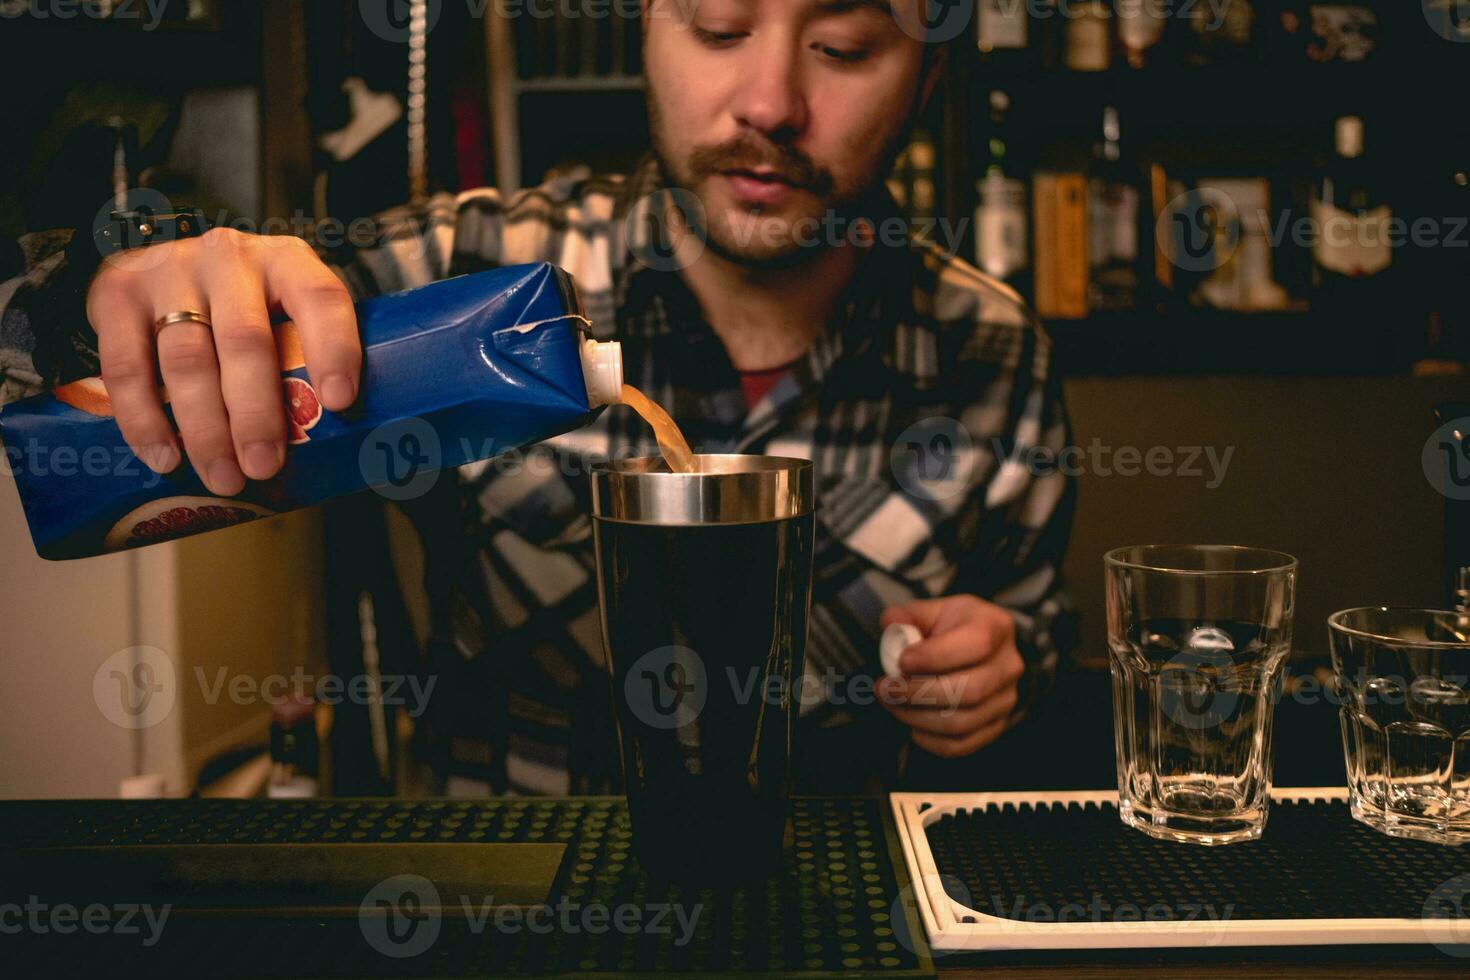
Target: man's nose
<point>770,97</point>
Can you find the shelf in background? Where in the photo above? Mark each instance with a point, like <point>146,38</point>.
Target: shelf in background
<point>1189,341</point>
<point>580,83</point>
<point>1223,94</point>
<point>222,50</point>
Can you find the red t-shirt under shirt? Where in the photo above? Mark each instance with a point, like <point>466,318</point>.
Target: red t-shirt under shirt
<point>757,383</point>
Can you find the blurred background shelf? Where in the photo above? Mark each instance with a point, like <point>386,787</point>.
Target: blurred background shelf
<point>1254,104</point>
<point>1222,342</point>
<point>1324,412</point>
<point>580,83</point>
<point>203,41</point>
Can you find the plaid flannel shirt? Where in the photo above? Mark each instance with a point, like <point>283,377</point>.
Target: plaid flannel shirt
<point>917,406</point>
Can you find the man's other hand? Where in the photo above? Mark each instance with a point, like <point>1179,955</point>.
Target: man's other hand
<point>960,682</point>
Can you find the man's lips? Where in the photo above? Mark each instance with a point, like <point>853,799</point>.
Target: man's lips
<point>760,186</point>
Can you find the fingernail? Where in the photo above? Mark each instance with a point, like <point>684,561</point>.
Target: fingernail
<point>160,458</point>
<point>338,391</point>
<point>262,459</point>
<point>225,478</point>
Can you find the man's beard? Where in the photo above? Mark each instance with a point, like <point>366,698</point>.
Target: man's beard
<point>747,235</point>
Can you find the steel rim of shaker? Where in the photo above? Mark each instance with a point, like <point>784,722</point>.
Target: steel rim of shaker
<point>730,488</point>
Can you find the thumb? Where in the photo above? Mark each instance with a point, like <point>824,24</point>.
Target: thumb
<point>895,614</point>
<point>923,613</point>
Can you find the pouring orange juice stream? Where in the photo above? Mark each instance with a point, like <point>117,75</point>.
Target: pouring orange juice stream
<point>671,442</point>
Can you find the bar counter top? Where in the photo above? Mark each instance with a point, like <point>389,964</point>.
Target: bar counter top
<point>503,887</point>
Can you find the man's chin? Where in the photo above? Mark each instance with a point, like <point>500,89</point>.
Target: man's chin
<point>766,238</point>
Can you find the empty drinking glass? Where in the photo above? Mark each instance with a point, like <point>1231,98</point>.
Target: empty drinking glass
<point>1403,677</point>
<point>1198,636</point>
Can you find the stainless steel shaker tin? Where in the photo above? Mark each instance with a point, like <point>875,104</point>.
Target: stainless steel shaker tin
<point>728,489</point>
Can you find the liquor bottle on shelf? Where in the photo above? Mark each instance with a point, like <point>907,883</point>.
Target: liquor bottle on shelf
<point>1001,247</point>
<point>1002,35</point>
<point>1327,32</point>
<point>1112,222</point>
<point>1244,279</point>
<point>1351,247</point>
<point>1141,25</point>
<point>1447,347</point>
<point>912,181</point>
<point>1059,203</point>
<point>1059,231</point>
<point>1049,32</point>
<point>1228,33</point>
<point>1088,27</point>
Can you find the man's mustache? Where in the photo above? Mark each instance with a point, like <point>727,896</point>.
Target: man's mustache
<point>783,163</point>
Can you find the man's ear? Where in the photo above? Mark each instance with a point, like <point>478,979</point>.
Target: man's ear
<point>937,57</point>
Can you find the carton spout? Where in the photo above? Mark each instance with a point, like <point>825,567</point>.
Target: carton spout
<point>602,368</point>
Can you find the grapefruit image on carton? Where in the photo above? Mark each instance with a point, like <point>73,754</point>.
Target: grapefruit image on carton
<point>176,517</point>
<point>303,409</point>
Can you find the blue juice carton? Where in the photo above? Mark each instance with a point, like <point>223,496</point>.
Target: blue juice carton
<point>458,370</point>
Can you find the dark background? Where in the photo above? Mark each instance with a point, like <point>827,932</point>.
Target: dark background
<point>1327,408</point>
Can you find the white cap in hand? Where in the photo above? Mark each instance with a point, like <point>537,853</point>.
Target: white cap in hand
<point>896,639</point>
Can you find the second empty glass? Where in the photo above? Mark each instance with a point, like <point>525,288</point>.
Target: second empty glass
<point>1198,636</point>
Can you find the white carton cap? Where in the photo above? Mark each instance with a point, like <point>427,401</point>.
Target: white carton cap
<point>602,369</point>
<point>896,639</point>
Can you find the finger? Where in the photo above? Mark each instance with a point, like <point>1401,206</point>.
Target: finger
<point>956,721</point>
<point>320,305</point>
<point>124,327</point>
<point>942,653</point>
<point>250,375</point>
<point>938,616</point>
<point>949,691</point>
<point>896,614</point>
<point>987,631</point>
<point>947,747</point>
<point>191,370</point>
<point>926,614</point>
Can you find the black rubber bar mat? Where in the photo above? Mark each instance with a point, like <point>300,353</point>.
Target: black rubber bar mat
<point>1313,862</point>
<point>841,904</point>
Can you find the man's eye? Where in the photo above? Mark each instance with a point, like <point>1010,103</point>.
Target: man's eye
<point>843,55</point>
<point>715,39</point>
